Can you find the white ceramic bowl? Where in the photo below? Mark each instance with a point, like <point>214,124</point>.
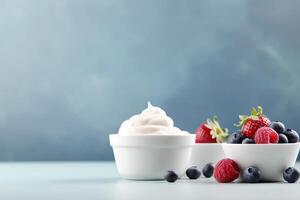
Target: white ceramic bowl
<point>271,159</point>
<point>148,157</point>
<point>203,153</point>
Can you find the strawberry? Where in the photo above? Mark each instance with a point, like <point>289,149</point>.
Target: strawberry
<point>254,121</point>
<point>211,132</point>
<point>203,134</point>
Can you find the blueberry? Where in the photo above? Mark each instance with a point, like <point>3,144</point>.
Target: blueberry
<point>248,141</point>
<point>290,175</point>
<point>193,172</point>
<point>278,126</point>
<point>171,176</point>
<point>283,138</point>
<point>292,135</point>
<point>236,137</point>
<point>251,175</point>
<point>208,170</point>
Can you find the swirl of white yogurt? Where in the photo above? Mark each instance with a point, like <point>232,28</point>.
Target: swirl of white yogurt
<point>153,120</point>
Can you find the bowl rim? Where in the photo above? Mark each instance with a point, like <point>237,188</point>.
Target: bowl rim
<point>270,144</point>
<point>153,141</point>
<point>208,144</point>
<point>148,135</point>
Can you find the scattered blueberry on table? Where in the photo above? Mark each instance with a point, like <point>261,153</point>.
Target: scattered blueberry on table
<point>291,175</point>
<point>251,174</point>
<point>193,173</point>
<point>208,170</point>
<point>171,176</point>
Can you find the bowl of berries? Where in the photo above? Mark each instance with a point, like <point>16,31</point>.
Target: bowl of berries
<point>207,148</point>
<point>262,145</point>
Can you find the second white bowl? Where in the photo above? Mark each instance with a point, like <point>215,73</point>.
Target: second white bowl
<point>271,159</point>
<point>203,153</point>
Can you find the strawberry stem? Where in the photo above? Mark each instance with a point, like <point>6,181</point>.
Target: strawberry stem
<point>254,115</point>
<point>216,130</point>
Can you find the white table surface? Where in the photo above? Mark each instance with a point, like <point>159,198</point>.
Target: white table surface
<point>100,181</point>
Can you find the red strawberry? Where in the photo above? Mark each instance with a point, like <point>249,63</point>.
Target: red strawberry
<point>226,171</point>
<point>211,132</point>
<point>266,135</point>
<point>203,135</point>
<point>251,123</point>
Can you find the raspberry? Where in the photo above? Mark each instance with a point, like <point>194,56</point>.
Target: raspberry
<point>266,135</point>
<point>226,171</point>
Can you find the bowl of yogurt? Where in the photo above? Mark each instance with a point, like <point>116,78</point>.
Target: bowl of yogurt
<point>148,144</point>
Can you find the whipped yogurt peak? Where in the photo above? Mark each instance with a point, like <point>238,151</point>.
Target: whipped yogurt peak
<point>152,120</point>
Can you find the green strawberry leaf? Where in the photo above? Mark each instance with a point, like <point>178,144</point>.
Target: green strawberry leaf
<point>255,114</point>
<point>260,110</point>
<point>216,130</point>
<point>253,111</point>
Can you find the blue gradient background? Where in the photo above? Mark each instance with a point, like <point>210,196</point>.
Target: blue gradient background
<point>72,70</point>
